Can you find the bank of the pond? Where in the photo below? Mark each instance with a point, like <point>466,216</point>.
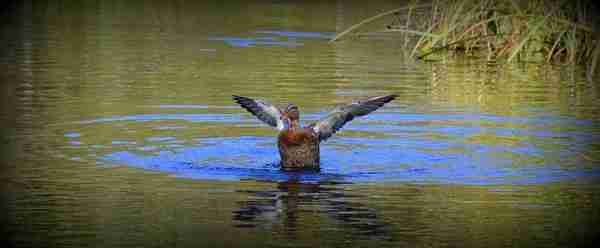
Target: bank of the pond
<point>558,32</point>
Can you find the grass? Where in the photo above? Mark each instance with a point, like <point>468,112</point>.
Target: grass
<point>559,32</point>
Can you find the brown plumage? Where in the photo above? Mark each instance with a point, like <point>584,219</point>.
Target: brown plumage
<point>299,146</point>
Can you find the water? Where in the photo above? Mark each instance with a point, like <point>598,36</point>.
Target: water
<point>118,130</point>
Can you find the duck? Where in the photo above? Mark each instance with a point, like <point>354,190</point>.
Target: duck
<point>299,145</point>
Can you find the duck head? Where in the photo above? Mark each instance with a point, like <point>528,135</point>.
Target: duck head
<point>291,116</point>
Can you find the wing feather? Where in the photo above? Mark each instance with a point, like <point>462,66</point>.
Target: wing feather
<point>336,119</point>
<point>264,111</point>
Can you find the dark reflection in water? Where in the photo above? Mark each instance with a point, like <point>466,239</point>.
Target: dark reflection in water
<point>293,200</point>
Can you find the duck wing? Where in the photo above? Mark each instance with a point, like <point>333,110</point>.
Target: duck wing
<point>264,111</point>
<point>336,119</point>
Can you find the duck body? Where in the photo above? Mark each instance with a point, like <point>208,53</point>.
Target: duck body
<point>299,146</point>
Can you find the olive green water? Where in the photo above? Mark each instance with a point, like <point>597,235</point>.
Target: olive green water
<point>118,130</point>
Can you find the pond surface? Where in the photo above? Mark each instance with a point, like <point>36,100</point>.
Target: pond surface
<point>118,130</point>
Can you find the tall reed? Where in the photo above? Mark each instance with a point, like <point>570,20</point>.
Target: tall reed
<point>559,32</point>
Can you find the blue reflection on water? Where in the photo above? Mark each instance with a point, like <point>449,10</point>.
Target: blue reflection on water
<point>290,38</point>
<point>221,159</point>
<point>250,42</point>
<point>72,135</point>
<point>239,158</point>
<point>160,139</point>
<point>416,148</point>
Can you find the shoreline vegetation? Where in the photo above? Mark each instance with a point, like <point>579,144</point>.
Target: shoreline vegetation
<point>558,32</point>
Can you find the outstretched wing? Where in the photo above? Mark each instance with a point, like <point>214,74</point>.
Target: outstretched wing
<point>264,111</point>
<point>335,120</point>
